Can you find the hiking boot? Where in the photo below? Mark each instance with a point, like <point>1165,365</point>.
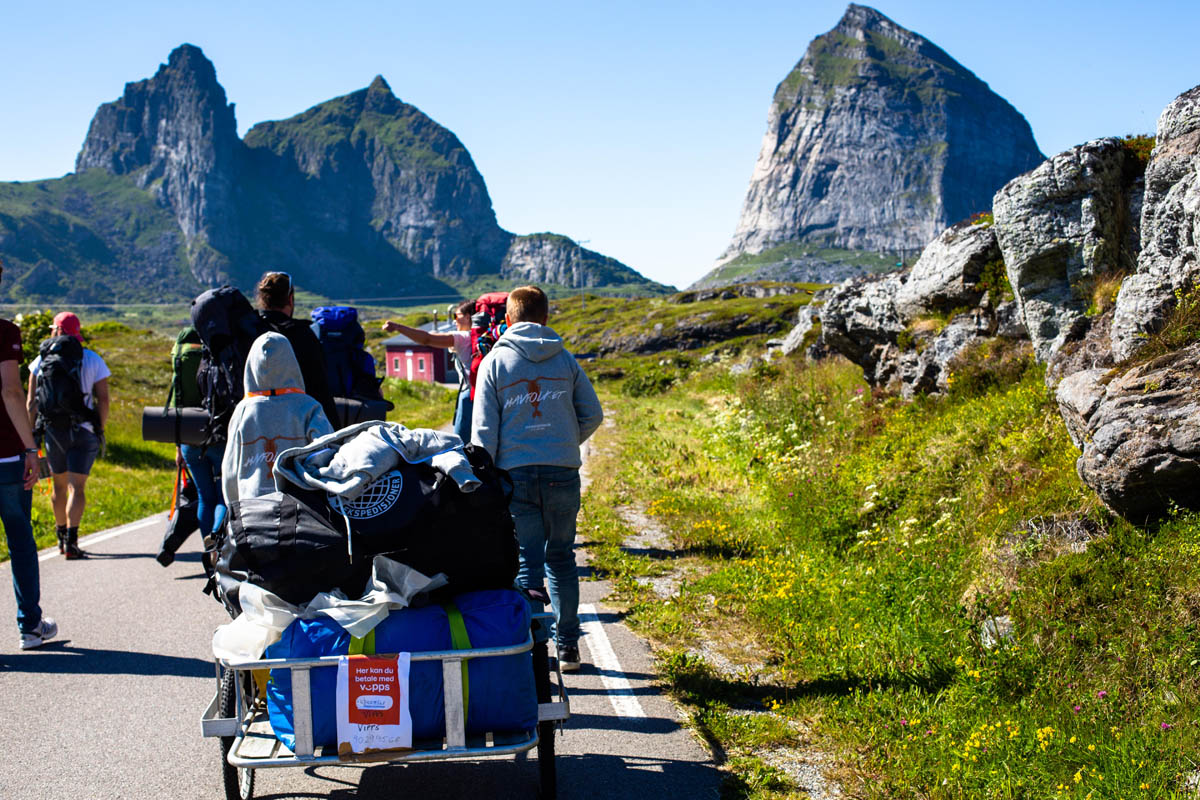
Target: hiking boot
<point>47,629</point>
<point>568,659</point>
<point>61,531</point>
<point>72,552</point>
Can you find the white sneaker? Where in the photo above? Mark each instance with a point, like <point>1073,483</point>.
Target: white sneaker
<point>46,630</point>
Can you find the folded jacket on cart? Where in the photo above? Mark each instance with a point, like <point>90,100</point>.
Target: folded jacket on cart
<point>344,463</point>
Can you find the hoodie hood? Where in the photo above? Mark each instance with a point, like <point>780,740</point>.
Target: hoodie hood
<point>533,341</point>
<point>272,365</point>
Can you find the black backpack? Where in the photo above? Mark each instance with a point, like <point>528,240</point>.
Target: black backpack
<point>60,401</point>
<point>279,543</point>
<point>227,325</point>
<point>349,367</point>
<point>418,516</point>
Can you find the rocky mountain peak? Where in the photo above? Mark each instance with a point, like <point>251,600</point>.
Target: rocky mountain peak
<point>361,195</point>
<point>864,23</point>
<point>177,134</point>
<point>877,140</point>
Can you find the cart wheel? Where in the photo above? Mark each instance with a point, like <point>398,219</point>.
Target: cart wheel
<point>546,772</point>
<point>238,781</point>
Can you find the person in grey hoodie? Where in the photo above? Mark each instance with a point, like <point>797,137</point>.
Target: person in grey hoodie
<point>534,406</point>
<point>275,415</point>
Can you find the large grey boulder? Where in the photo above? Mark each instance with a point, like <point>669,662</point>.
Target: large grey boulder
<point>1170,224</point>
<point>894,326</point>
<point>1058,226</point>
<point>1079,395</point>
<point>947,274</point>
<point>1140,433</point>
<point>806,318</point>
<point>859,320</point>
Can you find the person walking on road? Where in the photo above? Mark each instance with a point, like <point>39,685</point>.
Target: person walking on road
<point>277,301</point>
<point>68,406</point>
<point>534,406</point>
<point>458,341</point>
<point>18,474</point>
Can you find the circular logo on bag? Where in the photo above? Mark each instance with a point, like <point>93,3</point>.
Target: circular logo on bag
<point>377,499</point>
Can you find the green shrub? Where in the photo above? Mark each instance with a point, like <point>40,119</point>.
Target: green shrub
<point>993,279</point>
<point>987,365</point>
<point>106,326</point>
<point>1140,146</point>
<point>1182,328</point>
<point>647,383</point>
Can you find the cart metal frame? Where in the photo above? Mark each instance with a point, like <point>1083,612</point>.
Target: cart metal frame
<point>249,742</point>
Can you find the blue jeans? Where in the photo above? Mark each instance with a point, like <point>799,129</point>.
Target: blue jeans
<point>462,415</point>
<point>15,504</point>
<point>204,465</point>
<point>544,506</point>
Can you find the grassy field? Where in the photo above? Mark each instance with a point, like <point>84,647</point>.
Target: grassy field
<point>849,566</point>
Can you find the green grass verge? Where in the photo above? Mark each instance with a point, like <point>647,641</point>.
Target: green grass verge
<point>845,553</point>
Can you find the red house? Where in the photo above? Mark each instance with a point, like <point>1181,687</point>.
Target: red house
<point>416,362</point>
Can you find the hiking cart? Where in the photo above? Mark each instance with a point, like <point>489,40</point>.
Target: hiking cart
<point>237,716</point>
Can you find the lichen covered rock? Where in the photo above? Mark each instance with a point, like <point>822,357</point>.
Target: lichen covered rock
<point>1170,227</point>
<point>1140,433</point>
<point>1059,226</point>
<point>947,275</point>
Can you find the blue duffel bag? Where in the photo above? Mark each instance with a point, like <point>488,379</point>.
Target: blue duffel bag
<point>500,690</point>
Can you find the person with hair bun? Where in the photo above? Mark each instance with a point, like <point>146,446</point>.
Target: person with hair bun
<point>277,300</point>
<point>458,341</point>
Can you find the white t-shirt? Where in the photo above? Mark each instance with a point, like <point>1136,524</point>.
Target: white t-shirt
<point>91,372</point>
<point>462,346</point>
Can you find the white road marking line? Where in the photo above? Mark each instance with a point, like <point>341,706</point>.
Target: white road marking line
<point>604,658</point>
<point>96,538</point>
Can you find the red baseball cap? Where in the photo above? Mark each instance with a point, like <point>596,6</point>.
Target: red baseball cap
<point>68,323</point>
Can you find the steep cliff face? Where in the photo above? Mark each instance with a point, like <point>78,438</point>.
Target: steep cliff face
<point>878,140</point>
<point>369,160</point>
<point>551,258</point>
<point>176,135</point>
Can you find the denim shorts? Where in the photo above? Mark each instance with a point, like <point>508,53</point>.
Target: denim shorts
<point>72,449</point>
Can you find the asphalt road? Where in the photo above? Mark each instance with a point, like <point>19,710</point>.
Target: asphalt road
<point>111,708</point>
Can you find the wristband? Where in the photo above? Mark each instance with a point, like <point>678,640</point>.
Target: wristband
<point>29,450</point>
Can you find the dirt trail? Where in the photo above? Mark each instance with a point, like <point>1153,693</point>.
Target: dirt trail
<point>804,765</point>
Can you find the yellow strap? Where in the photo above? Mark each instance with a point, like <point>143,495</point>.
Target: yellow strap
<point>363,646</point>
<point>459,640</point>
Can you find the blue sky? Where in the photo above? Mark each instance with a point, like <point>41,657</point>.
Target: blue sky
<point>632,125</point>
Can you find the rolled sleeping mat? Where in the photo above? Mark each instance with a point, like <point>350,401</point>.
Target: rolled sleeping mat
<point>360,409</point>
<point>174,425</point>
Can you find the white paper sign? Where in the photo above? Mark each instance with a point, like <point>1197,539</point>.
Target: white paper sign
<point>372,704</point>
